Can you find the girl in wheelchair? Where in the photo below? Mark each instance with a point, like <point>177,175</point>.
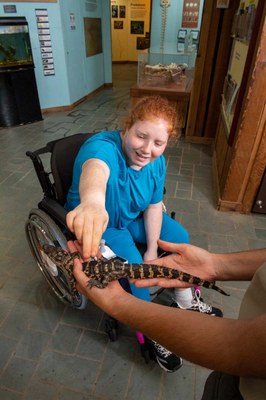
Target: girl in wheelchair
<point>116,195</point>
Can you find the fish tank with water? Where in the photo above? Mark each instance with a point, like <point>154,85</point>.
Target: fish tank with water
<point>15,47</point>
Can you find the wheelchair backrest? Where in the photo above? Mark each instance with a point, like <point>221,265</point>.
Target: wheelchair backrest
<point>64,152</point>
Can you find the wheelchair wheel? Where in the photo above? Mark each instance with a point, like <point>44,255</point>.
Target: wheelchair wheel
<point>41,229</point>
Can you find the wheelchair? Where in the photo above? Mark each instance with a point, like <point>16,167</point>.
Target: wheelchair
<point>47,223</point>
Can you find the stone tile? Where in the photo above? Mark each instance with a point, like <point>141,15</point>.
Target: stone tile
<point>6,394</point>
<point>202,193</point>
<point>178,384</point>
<point>237,243</point>
<point>6,307</point>
<point>46,317</point>
<point>203,171</point>
<point>170,187</point>
<point>90,318</point>
<point>261,233</point>
<point>259,220</point>
<point>93,345</point>
<point>37,390</point>
<point>193,157</point>
<point>32,345</point>
<point>187,170</point>
<point>8,347</point>
<point>17,374</point>
<point>17,321</point>
<point>145,376</point>
<point>201,376</point>
<point>256,243</point>
<point>183,194</point>
<point>65,339</point>
<point>66,394</point>
<point>184,184</point>
<point>173,165</point>
<point>199,239</point>
<point>183,206</point>
<point>217,224</point>
<point>116,369</point>
<point>75,373</point>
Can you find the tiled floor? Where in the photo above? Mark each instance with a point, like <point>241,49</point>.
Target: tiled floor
<point>49,351</point>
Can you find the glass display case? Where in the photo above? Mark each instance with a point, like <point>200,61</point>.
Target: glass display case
<point>157,69</point>
<point>15,47</point>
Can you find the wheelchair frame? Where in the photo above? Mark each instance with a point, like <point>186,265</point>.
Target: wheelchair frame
<point>47,223</point>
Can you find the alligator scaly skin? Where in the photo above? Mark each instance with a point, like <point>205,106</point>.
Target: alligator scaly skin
<point>102,272</point>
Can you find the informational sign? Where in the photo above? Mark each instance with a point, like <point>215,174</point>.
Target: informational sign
<point>10,9</point>
<point>72,20</point>
<point>44,35</point>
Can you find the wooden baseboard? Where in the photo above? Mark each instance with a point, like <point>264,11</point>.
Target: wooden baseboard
<point>71,106</point>
<point>198,140</point>
<point>124,62</point>
<point>229,206</point>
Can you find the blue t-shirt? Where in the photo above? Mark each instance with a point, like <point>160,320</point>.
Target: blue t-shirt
<point>128,191</point>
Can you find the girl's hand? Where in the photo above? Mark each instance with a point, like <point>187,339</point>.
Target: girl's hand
<point>88,222</point>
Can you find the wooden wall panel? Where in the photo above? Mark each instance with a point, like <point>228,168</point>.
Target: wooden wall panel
<point>194,106</point>
<point>248,138</point>
<point>220,69</point>
<point>210,70</point>
<point>245,161</point>
<point>258,167</point>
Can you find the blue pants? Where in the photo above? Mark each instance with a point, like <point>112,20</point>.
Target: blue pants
<point>122,242</point>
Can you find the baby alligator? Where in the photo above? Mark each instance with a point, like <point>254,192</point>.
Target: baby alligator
<point>102,272</point>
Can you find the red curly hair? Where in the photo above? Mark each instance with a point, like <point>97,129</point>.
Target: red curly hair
<point>151,108</point>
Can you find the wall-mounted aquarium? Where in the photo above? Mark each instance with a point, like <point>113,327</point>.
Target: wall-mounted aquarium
<point>15,47</point>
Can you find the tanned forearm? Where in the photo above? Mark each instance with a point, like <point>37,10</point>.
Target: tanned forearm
<point>232,346</point>
<point>239,266</point>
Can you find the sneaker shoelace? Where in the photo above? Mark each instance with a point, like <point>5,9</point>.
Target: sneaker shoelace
<point>203,307</point>
<point>161,350</point>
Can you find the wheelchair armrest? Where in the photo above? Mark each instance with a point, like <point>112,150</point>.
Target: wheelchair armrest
<point>55,210</point>
<point>43,176</point>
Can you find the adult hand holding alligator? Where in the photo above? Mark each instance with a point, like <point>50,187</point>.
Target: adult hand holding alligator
<point>233,347</point>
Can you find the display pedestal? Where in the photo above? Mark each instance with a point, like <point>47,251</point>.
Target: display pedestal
<point>19,101</point>
<point>177,93</point>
